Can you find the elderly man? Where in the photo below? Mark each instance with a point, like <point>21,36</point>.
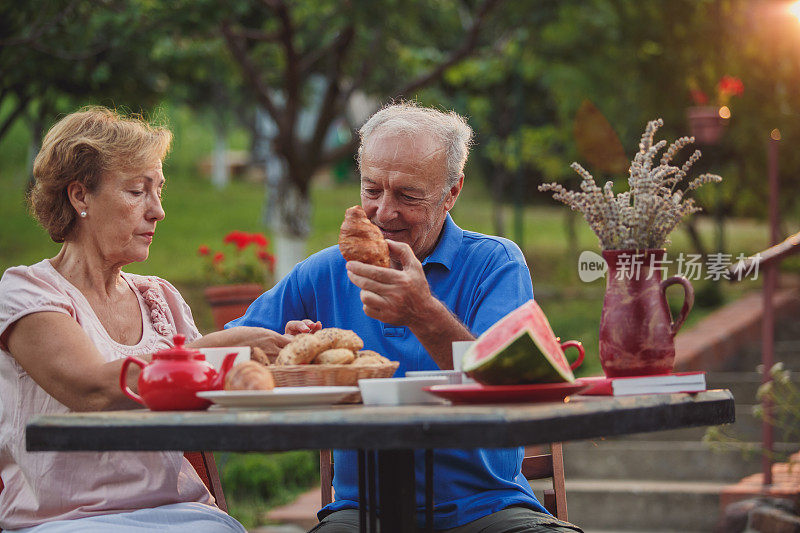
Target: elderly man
<point>445,285</point>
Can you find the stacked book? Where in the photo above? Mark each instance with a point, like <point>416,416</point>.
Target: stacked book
<point>663,383</point>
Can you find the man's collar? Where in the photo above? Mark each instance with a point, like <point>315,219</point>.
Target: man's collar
<point>447,249</point>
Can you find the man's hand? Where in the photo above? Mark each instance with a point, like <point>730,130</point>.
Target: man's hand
<point>392,296</point>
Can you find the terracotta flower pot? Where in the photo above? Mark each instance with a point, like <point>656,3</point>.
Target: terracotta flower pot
<point>636,328</point>
<point>705,124</point>
<point>231,301</point>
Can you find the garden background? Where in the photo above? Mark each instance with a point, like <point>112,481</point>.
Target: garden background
<point>279,87</point>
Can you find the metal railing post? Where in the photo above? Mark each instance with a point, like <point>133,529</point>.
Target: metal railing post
<point>768,321</point>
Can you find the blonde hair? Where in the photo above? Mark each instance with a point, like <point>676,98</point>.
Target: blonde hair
<point>407,118</point>
<point>84,146</point>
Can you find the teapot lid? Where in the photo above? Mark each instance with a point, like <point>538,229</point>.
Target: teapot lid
<point>179,351</point>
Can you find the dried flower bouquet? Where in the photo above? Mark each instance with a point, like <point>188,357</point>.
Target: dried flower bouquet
<point>642,217</point>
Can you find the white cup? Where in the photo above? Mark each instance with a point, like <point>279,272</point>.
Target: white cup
<point>459,349</point>
<point>215,356</point>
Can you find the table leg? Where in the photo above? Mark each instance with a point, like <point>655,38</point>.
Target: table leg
<point>371,491</point>
<point>367,493</point>
<point>429,491</point>
<point>362,492</point>
<point>396,490</point>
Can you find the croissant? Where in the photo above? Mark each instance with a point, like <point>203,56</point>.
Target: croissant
<point>361,240</point>
<point>249,375</point>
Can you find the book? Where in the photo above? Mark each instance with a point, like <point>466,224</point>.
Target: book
<point>663,383</point>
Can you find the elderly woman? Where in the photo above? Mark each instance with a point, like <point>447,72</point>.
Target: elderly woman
<point>67,323</point>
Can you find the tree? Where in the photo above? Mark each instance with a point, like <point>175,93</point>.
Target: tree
<point>635,61</point>
<point>291,53</point>
<point>49,64</point>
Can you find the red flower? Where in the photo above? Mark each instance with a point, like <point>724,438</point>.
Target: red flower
<point>236,265</point>
<point>259,239</point>
<point>699,97</point>
<point>267,258</point>
<point>730,86</point>
<point>240,238</point>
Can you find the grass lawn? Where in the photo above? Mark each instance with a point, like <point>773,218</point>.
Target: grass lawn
<point>198,213</point>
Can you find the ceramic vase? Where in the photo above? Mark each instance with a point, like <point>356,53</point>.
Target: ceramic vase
<point>636,327</point>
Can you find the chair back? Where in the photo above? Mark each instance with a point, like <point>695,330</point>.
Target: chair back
<point>541,466</point>
<point>549,465</point>
<point>326,476</point>
<point>203,463</point>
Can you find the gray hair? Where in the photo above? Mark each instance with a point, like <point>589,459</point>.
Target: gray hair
<point>406,118</point>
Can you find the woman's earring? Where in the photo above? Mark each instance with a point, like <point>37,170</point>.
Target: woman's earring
<point>83,214</point>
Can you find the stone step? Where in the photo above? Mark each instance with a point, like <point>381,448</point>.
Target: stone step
<point>676,461</point>
<point>653,506</point>
<point>747,428</point>
<point>749,357</point>
<point>743,385</point>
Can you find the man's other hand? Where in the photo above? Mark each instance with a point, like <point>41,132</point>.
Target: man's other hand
<point>394,296</point>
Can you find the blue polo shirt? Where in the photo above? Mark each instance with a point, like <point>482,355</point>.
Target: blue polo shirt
<point>480,279</point>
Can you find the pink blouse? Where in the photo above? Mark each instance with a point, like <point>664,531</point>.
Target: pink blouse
<point>45,486</point>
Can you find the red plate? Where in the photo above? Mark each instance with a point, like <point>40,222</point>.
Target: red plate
<point>477,393</point>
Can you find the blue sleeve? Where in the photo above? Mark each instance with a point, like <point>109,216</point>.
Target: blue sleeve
<point>277,306</point>
<point>505,285</point>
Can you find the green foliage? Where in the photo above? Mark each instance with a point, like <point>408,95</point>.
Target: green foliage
<point>50,64</point>
<point>536,64</point>
<point>783,394</point>
<point>255,482</point>
<point>268,475</point>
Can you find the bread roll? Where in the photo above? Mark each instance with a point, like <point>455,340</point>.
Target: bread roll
<point>341,338</point>
<point>370,354</point>
<point>302,350</point>
<point>336,356</point>
<point>368,360</point>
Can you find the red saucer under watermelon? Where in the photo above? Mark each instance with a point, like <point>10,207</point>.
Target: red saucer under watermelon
<point>536,392</point>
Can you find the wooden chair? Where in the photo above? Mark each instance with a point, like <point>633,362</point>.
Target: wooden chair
<point>206,468</point>
<point>549,465</point>
<point>541,466</point>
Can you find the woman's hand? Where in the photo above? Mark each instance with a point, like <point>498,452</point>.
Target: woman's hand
<point>296,327</point>
<point>269,341</point>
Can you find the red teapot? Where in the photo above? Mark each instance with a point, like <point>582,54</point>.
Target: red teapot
<point>170,381</point>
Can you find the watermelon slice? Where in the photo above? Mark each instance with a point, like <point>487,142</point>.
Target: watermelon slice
<point>520,348</point>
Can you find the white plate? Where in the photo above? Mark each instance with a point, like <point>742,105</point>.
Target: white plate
<point>279,396</point>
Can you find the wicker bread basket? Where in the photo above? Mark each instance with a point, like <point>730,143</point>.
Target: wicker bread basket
<point>327,375</point>
<point>330,375</point>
